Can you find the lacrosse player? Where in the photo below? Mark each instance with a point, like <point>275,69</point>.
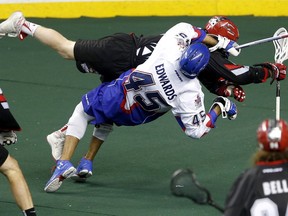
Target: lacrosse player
<point>166,81</point>
<point>263,189</point>
<point>221,76</point>
<point>9,167</point>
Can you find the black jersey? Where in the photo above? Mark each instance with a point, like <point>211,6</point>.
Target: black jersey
<point>220,67</point>
<point>7,120</point>
<point>112,55</point>
<point>261,190</point>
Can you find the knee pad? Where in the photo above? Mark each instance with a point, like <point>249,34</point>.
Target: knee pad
<point>102,131</point>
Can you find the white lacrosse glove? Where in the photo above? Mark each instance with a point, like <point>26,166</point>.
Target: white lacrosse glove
<point>7,138</point>
<point>228,45</point>
<point>228,108</point>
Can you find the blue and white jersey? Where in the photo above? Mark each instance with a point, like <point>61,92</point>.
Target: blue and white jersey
<point>153,88</point>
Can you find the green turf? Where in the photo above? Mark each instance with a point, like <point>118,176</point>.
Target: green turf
<point>133,169</point>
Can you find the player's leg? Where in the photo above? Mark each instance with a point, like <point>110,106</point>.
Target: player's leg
<point>17,26</point>
<point>77,125</point>
<point>53,39</point>
<point>85,166</point>
<point>10,168</point>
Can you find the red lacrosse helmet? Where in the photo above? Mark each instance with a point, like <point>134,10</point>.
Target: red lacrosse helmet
<point>220,25</point>
<point>272,135</point>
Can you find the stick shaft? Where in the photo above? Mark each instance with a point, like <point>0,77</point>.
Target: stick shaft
<point>278,101</point>
<point>216,206</point>
<point>252,43</point>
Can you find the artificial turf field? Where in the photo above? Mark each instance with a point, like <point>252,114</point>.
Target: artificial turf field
<point>133,169</point>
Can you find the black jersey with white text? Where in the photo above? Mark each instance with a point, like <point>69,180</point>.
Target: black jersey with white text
<point>261,190</point>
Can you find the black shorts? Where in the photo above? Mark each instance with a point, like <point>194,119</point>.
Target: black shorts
<point>112,55</point>
<point>7,120</point>
<point>3,155</point>
<point>109,56</point>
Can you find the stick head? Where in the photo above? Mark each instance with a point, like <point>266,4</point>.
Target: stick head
<point>281,46</point>
<point>184,184</point>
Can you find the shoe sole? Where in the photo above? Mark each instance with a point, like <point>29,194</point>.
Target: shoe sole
<point>81,176</point>
<point>77,178</point>
<point>57,182</point>
<point>85,173</point>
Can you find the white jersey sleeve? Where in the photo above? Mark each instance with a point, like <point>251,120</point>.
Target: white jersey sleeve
<point>186,34</point>
<point>189,111</point>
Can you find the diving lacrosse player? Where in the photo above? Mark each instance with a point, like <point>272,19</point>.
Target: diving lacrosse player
<point>221,76</point>
<point>166,81</point>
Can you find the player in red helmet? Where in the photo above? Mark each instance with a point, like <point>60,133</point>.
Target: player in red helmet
<point>263,189</point>
<point>220,25</point>
<point>223,77</point>
<point>273,135</point>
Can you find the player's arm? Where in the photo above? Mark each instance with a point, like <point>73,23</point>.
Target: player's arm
<point>228,89</point>
<point>276,71</point>
<point>218,42</point>
<point>52,38</point>
<point>210,41</point>
<point>225,44</point>
<point>196,125</point>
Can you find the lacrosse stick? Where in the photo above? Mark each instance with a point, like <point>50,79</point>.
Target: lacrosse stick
<point>184,184</point>
<point>281,55</point>
<point>252,43</point>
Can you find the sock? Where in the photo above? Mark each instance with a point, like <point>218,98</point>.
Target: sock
<point>29,28</point>
<point>63,129</point>
<point>29,212</point>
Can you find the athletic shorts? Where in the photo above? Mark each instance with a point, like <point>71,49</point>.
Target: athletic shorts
<point>3,155</point>
<point>112,55</point>
<point>7,120</point>
<point>109,56</point>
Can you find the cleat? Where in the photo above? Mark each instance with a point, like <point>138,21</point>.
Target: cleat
<point>84,170</point>
<point>64,169</point>
<point>56,141</point>
<point>13,25</point>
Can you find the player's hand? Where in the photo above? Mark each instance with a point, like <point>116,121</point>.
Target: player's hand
<point>228,45</point>
<point>231,110</point>
<point>228,108</point>
<point>7,138</point>
<point>277,70</point>
<point>231,90</point>
<point>281,75</point>
<point>239,93</point>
